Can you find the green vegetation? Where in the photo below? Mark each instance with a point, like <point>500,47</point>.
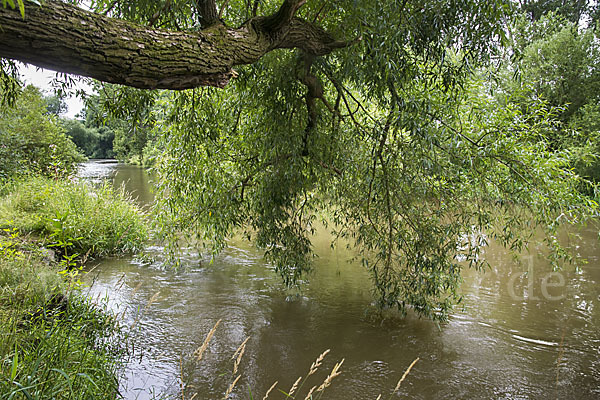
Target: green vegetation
<point>391,118</point>
<point>55,342</point>
<point>557,61</point>
<point>130,116</point>
<point>417,131</point>
<point>93,142</point>
<point>32,140</point>
<point>408,138</point>
<point>96,222</point>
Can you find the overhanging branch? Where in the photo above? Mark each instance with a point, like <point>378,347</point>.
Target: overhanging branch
<point>65,38</point>
<point>282,18</point>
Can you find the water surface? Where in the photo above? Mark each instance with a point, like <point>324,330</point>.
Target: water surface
<point>524,332</point>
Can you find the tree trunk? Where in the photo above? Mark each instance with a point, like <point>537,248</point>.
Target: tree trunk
<point>65,38</point>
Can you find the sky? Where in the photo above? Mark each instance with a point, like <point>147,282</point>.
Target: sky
<point>42,78</point>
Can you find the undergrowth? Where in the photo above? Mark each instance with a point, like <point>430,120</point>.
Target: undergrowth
<point>73,217</point>
<point>55,343</point>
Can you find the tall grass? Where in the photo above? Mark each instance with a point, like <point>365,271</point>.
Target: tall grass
<point>55,343</point>
<point>97,222</point>
<point>299,389</point>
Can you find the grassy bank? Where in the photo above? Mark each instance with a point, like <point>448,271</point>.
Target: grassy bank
<point>97,222</point>
<point>55,342</point>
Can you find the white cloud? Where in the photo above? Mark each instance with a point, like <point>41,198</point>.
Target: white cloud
<point>43,79</point>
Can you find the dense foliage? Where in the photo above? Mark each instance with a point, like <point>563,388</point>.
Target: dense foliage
<point>94,142</point>
<point>56,343</point>
<point>560,62</point>
<point>397,140</point>
<point>402,150</point>
<point>32,139</point>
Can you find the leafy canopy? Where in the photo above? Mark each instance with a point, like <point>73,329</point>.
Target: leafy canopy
<point>391,141</point>
<point>32,140</point>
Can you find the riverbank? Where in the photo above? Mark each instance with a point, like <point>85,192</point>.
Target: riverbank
<point>56,341</point>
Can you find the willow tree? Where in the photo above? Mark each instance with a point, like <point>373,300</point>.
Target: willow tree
<point>360,113</point>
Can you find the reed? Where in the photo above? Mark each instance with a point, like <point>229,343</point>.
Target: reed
<point>200,350</point>
<point>404,375</point>
<point>294,391</point>
<point>402,378</point>
<point>239,352</point>
<point>270,390</point>
<point>231,386</point>
<point>335,372</point>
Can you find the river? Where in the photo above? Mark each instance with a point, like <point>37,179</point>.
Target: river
<point>523,332</point>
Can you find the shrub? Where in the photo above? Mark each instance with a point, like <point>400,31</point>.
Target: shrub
<point>32,140</point>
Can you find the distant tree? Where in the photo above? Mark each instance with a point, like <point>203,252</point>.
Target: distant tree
<point>32,140</point>
<point>55,105</point>
<point>105,143</point>
<point>558,61</point>
<point>564,68</point>
<point>85,138</point>
<point>572,10</point>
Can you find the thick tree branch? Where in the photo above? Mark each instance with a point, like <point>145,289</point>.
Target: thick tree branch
<point>282,18</point>
<point>208,13</point>
<point>65,38</point>
<point>310,38</point>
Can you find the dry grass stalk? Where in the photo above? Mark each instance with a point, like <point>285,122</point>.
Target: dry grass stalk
<point>334,372</point>
<point>240,352</point>
<point>243,345</point>
<point>230,389</point>
<point>135,290</point>
<point>378,397</point>
<point>270,389</point>
<point>194,396</point>
<point>294,386</point>
<point>315,366</point>
<point>404,375</point>
<point>153,299</point>
<point>310,392</point>
<point>200,350</point>
<point>119,282</point>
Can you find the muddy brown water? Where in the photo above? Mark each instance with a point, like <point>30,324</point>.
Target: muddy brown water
<point>525,332</point>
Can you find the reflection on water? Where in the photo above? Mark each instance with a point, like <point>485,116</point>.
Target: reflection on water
<point>133,179</point>
<point>524,333</point>
<point>97,171</point>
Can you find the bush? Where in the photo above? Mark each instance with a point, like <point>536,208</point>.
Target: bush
<point>97,222</point>
<point>32,140</point>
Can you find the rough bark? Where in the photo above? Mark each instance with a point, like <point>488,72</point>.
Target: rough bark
<point>207,10</point>
<point>66,38</point>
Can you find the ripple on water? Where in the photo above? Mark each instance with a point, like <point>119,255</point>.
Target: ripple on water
<point>500,347</point>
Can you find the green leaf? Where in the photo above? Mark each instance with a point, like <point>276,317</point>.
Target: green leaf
<point>15,364</point>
